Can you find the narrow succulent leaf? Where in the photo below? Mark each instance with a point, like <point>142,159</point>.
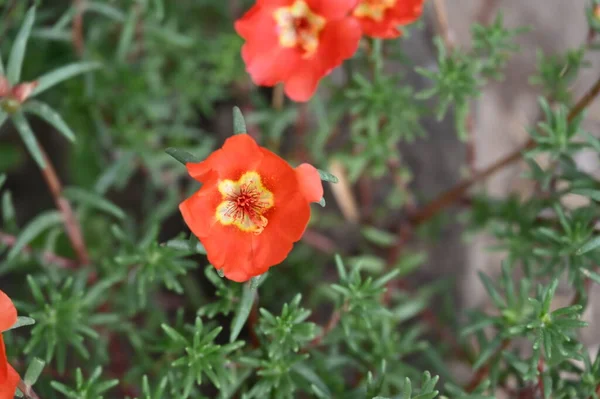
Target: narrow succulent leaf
<point>45,112</point>
<point>94,201</point>
<point>591,245</point>
<point>239,124</point>
<point>106,10</point>
<point>182,156</point>
<point>17,53</point>
<point>489,287</point>
<point>22,321</point>
<point>127,34</point>
<point>243,310</point>
<point>328,177</point>
<point>34,370</point>
<point>591,275</point>
<point>63,73</point>
<point>29,139</point>
<point>37,226</point>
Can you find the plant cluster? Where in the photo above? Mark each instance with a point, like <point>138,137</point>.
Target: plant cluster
<point>132,280</point>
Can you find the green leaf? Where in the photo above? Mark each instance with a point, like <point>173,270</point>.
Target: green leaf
<point>63,73</point>
<point>182,156</point>
<point>379,237</point>
<point>106,10</point>
<point>589,246</point>
<point>489,287</point>
<point>36,366</point>
<point>313,378</point>
<point>243,310</point>
<point>45,112</point>
<point>126,35</point>
<point>341,268</point>
<point>22,321</point>
<point>93,200</point>
<point>322,202</point>
<point>17,53</point>
<point>486,353</point>
<point>28,137</point>
<point>591,275</point>
<point>328,177</point>
<point>239,124</point>
<point>42,222</point>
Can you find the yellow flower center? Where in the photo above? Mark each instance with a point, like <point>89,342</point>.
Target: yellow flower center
<point>299,27</point>
<point>374,9</point>
<point>244,203</point>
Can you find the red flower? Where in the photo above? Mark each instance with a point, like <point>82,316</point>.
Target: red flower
<point>8,376</point>
<point>380,18</point>
<point>297,42</point>
<point>251,208</point>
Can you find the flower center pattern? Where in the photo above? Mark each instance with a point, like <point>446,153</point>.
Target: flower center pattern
<point>299,27</point>
<point>244,203</point>
<point>374,9</point>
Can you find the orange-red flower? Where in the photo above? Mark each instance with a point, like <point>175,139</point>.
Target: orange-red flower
<point>297,42</point>
<point>8,376</point>
<point>251,208</point>
<point>381,18</point>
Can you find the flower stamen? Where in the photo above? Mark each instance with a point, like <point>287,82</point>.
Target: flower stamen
<point>299,27</point>
<point>244,203</point>
<point>374,9</point>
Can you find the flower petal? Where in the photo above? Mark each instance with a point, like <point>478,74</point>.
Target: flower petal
<point>198,211</point>
<point>290,213</point>
<point>274,3</point>
<point>301,86</point>
<point>238,153</point>
<point>9,378</point>
<point>406,12</point>
<point>291,216</point>
<point>201,171</point>
<point>245,25</point>
<point>269,248</point>
<point>385,29</point>
<point>266,61</point>
<point>309,182</point>
<point>230,249</point>
<point>338,42</point>
<point>8,312</point>
<point>271,65</point>
<point>332,9</point>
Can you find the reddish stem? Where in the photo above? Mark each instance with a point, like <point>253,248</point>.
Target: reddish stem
<point>457,192</point>
<point>27,391</point>
<point>540,368</point>
<point>72,226</point>
<point>484,371</point>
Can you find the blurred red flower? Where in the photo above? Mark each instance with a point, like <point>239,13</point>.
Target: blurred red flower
<point>381,18</point>
<point>251,208</point>
<point>8,376</point>
<point>297,42</point>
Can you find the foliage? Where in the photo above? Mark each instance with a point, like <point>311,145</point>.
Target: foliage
<point>134,310</point>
